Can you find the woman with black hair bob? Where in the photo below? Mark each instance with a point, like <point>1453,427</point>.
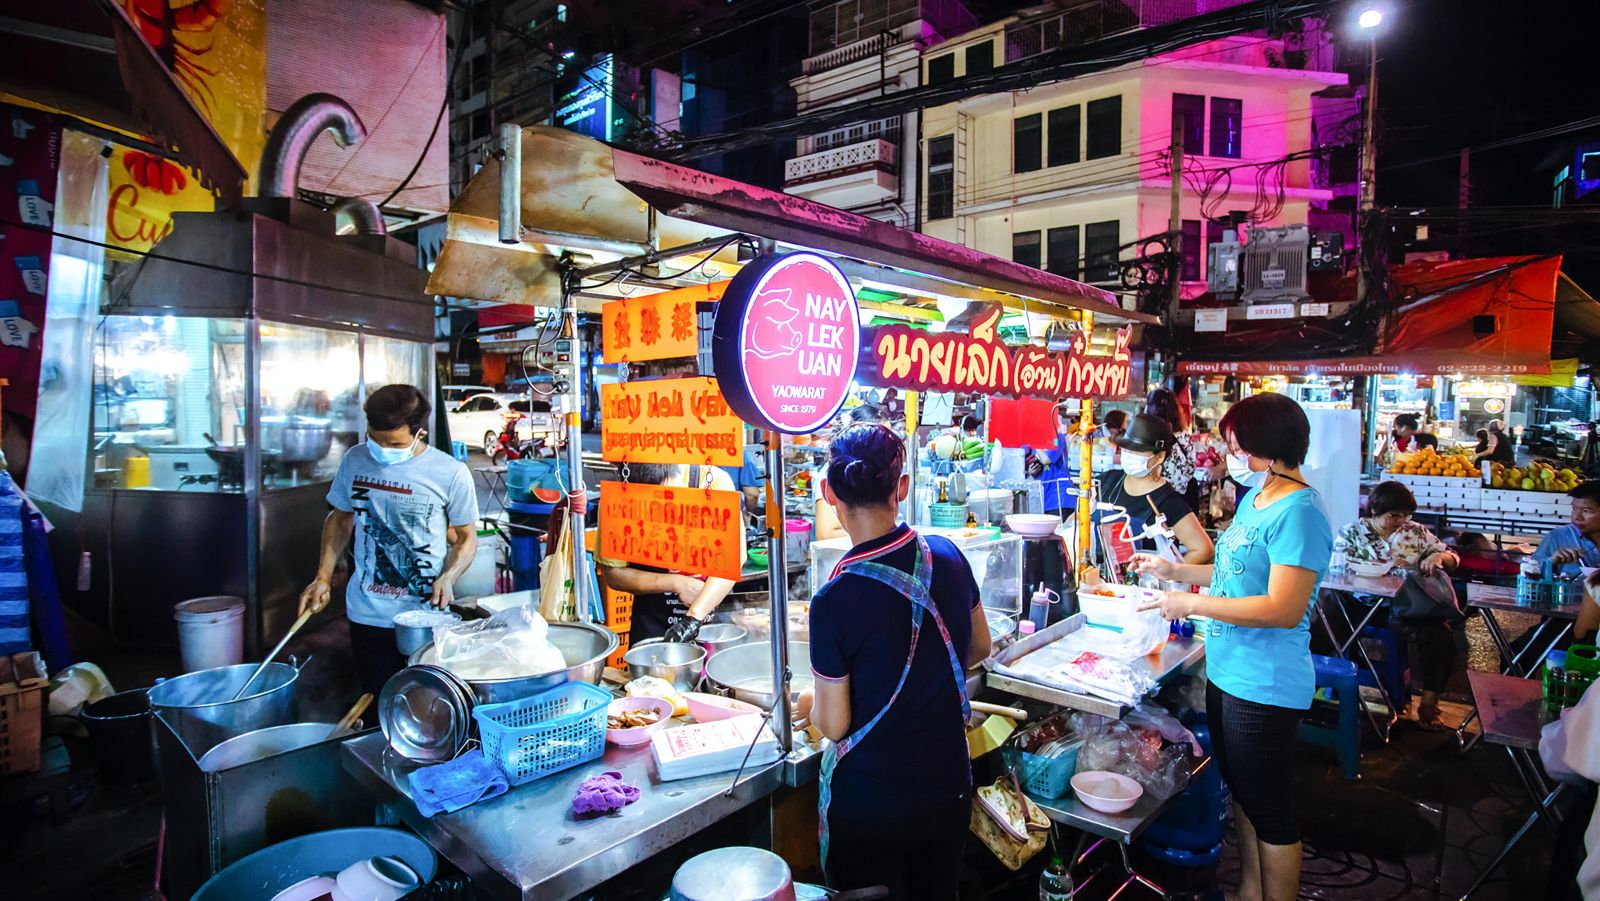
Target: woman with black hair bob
<point>892,634</point>
<point>1258,641</point>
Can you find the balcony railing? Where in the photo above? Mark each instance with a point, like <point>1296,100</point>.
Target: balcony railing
<point>1091,20</point>
<point>839,161</point>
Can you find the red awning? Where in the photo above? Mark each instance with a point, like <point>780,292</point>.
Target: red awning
<point>1491,315</point>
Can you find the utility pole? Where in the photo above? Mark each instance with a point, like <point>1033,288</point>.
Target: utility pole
<point>1369,170</point>
<point>1175,218</point>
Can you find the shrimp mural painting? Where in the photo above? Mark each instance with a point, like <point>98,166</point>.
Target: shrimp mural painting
<point>969,357</point>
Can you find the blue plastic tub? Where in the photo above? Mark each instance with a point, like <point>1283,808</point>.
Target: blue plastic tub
<point>259,876</point>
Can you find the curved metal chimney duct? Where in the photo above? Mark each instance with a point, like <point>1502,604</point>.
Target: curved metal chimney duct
<point>362,216</point>
<point>302,123</point>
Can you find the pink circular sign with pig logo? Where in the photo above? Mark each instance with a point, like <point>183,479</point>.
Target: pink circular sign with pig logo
<point>785,342</point>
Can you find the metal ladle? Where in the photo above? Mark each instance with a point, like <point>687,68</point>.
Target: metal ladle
<point>293,628</point>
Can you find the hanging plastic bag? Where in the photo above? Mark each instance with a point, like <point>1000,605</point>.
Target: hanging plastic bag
<point>514,642</point>
<point>556,600</point>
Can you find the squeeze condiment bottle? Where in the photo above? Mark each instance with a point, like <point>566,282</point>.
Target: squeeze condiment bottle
<point>1039,607</point>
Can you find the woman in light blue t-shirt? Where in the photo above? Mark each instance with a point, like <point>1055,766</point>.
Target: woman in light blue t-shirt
<point>1258,643</point>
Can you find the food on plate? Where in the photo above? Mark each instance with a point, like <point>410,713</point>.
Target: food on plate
<point>656,687</point>
<point>633,719</point>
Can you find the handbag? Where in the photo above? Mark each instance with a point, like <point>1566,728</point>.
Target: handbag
<point>1430,597</point>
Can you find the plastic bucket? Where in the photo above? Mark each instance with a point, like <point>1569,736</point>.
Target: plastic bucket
<point>797,538</point>
<point>210,632</point>
<point>276,867</point>
<point>119,736</point>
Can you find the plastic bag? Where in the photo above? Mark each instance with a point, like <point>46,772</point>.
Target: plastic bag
<point>514,642</point>
<point>1166,724</point>
<point>77,685</point>
<point>556,590</point>
<point>1134,750</point>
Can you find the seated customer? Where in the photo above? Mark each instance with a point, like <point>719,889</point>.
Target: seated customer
<point>1387,534</point>
<point>1572,547</point>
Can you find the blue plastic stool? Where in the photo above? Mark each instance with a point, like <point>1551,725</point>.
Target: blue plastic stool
<point>1391,666</point>
<point>1340,678</point>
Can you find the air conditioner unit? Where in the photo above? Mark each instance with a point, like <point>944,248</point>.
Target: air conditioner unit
<point>1327,252</point>
<point>1222,264</point>
<point>1275,264</point>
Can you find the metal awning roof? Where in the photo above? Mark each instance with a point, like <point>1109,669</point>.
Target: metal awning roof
<point>580,195</point>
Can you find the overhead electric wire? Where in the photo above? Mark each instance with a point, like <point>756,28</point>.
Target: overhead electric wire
<point>1524,138</point>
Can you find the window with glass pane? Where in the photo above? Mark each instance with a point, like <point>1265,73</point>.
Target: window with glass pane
<point>980,58</point>
<point>1192,250</point>
<point>1192,107</point>
<point>310,402</point>
<point>1027,135</point>
<point>162,385</point>
<point>1064,135</point>
<point>1061,251</point>
<point>390,361</point>
<point>941,177</point>
<point>942,68</point>
<point>1025,248</point>
<point>1226,127</point>
<point>1101,241</point>
<point>1105,127</point>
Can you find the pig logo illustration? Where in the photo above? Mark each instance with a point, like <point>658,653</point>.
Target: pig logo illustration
<point>772,335</point>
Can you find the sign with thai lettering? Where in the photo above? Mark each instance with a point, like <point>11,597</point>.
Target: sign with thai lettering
<point>654,326</point>
<point>785,342</point>
<point>669,421</point>
<point>688,530</point>
<point>968,357</point>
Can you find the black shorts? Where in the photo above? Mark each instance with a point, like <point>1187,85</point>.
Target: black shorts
<point>376,656</point>
<point>1254,746</point>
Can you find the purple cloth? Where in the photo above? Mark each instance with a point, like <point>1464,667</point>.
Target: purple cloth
<point>604,793</point>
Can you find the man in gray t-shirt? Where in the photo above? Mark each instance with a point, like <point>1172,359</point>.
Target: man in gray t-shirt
<point>414,515</point>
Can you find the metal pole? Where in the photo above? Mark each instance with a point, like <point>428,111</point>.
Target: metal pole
<point>1086,460</point>
<point>911,455</point>
<point>510,183</point>
<point>1175,218</point>
<point>778,595</point>
<point>578,492</point>
<point>1369,170</point>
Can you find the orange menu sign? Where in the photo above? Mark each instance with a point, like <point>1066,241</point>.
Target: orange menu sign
<point>669,421</point>
<point>654,326</point>
<point>689,530</point>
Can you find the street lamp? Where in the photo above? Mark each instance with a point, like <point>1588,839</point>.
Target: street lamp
<point>1370,18</point>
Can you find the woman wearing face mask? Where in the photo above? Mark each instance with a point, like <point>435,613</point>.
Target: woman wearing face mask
<point>1141,488</point>
<point>1258,641</point>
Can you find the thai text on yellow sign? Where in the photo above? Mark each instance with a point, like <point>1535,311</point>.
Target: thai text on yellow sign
<point>654,326</point>
<point>688,530</point>
<point>669,421</point>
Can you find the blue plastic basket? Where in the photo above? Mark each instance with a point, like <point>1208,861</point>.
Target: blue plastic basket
<point>1050,777</point>
<point>546,733</point>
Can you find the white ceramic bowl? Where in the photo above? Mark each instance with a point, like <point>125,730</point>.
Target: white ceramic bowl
<point>1106,792</point>
<point>1033,525</point>
<point>377,879</point>
<point>1370,570</point>
<point>637,735</point>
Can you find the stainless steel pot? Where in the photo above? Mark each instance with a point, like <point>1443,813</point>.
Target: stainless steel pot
<point>264,743</point>
<point>305,440</point>
<point>679,663</point>
<point>745,671</point>
<point>733,874</point>
<point>411,639</point>
<point>716,637</point>
<point>200,709</point>
<point>584,646</point>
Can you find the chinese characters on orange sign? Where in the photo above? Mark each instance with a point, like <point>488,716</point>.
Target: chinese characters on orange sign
<point>669,421</point>
<point>654,326</point>
<point>969,357</point>
<point>689,530</point>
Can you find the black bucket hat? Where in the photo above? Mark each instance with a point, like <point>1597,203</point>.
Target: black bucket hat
<point>1146,434</point>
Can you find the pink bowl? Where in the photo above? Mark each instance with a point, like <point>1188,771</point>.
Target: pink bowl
<point>1106,792</point>
<point>638,735</point>
<point>708,708</point>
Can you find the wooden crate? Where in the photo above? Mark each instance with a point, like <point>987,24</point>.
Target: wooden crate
<point>22,701</point>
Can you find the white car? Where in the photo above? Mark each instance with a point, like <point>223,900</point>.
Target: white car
<point>454,395</point>
<point>482,417</point>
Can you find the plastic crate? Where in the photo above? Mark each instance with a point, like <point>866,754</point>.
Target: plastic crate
<point>1548,592</point>
<point>1050,777</point>
<point>21,725</point>
<point>546,733</point>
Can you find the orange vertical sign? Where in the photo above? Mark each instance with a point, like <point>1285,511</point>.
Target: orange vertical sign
<point>654,326</point>
<point>688,530</point>
<point>669,421</point>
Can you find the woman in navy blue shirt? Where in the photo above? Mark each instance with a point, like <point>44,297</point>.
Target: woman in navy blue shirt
<point>892,634</point>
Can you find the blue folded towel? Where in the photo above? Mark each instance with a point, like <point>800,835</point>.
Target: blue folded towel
<point>448,787</point>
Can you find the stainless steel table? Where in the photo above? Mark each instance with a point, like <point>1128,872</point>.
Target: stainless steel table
<point>1179,655</point>
<point>1512,710</point>
<point>526,844</point>
<point>1332,590</point>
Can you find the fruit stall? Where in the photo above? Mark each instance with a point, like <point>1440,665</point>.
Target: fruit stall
<point>1485,497</point>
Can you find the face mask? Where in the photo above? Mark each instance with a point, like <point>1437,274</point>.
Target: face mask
<point>389,456</point>
<point>1136,464</point>
<point>1239,470</point>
